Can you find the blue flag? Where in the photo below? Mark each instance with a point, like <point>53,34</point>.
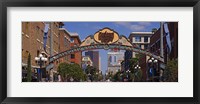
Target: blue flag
<point>168,37</point>
<point>45,40</point>
<point>45,35</point>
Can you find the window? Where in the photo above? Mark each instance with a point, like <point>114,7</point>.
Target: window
<point>72,56</point>
<point>38,52</point>
<point>37,29</point>
<point>110,59</point>
<point>146,46</point>
<point>115,59</point>
<point>145,38</point>
<point>85,59</point>
<point>140,46</point>
<point>137,39</point>
<point>65,41</point>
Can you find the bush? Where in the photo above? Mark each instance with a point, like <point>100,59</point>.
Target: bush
<point>171,71</point>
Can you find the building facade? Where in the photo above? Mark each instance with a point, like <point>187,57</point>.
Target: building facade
<point>114,61</point>
<point>32,40</point>
<point>140,40</point>
<point>155,42</point>
<point>32,43</point>
<point>75,42</point>
<point>64,38</point>
<point>170,44</point>
<point>40,38</point>
<point>173,31</point>
<point>94,55</point>
<point>53,41</point>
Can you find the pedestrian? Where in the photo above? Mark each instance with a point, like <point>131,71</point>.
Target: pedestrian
<point>59,78</point>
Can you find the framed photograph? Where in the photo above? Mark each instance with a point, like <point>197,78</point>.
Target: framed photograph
<point>103,51</point>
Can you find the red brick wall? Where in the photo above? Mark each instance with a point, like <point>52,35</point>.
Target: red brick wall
<point>78,55</point>
<point>32,31</point>
<point>64,46</point>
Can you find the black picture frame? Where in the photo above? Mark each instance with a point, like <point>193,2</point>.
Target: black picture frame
<point>98,3</point>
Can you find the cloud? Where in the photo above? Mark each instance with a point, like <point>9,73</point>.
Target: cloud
<point>137,27</point>
<point>140,26</point>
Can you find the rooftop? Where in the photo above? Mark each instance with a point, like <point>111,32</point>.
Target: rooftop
<point>140,33</point>
<point>65,30</point>
<point>74,34</point>
<point>145,33</point>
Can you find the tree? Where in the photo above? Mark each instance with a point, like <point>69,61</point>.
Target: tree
<point>63,69</point>
<point>94,73</point>
<point>171,71</point>
<point>29,72</point>
<point>68,71</point>
<point>136,74</point>
<point>133,62</point>
<point>117,76</point>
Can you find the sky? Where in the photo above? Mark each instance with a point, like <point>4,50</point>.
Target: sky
<point>85,29</point>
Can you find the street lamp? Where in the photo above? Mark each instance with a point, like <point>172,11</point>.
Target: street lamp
<point>128,72</point>
<point>137,67</point>
<point>153,61</point>
<point>40,60</point>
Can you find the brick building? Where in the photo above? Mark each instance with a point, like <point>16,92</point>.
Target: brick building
<point>154,46</point>
<point>64,40</point>
<point>54,41</point>
<point>173,31</point>
<point>155,42</point>
<point>75,42</point>
<point>32,41</point>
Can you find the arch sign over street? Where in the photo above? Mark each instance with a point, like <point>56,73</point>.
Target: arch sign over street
<point>105,38</point>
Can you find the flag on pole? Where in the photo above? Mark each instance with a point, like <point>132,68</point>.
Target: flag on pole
<point>167,37</point>
<point>46,28</point>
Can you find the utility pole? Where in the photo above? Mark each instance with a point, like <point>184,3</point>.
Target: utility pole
<point>161,47</point>
<point>51,40</point>
<point>51,49</point>
<point>161,40</point>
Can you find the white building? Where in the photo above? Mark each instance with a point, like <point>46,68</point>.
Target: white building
<point>114,61</point>
<point>140,39</point>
